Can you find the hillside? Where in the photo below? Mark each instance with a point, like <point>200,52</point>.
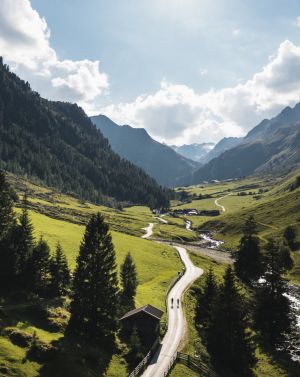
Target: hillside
<point>135,145</point>
<point>195,152</point>
<point>271,147</point>
<point>222,146</point>
<point>61,218</point>
<point>274,210</point>
<point>56,143</point>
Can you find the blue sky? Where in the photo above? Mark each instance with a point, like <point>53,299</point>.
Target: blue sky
<point>141,42</point>
<point>186,70</point>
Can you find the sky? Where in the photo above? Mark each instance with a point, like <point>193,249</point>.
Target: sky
<point>188,71</point>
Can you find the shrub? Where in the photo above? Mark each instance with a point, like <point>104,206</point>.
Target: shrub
<point>41,351</point>
<point>58,319</point>
<point>18,337</point>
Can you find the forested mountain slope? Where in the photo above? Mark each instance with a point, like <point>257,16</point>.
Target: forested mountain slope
<point>57,143</point>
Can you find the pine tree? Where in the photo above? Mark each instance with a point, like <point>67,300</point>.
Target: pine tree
<point>24,243</point>
<point>7,198</point>
<point>228,340</point>
<point>273,314</point>
<point>60,272</point>
<point>129,282</point>
<point>95,286</point>
<point>7,228</point>
<point>40,268</point>
<point>290,237</point>
<point>248,259</point>
<point>206,301</point>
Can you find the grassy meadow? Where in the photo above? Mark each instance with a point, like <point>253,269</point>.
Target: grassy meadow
<point>60,218</point>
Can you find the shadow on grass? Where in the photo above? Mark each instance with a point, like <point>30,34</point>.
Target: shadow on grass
<point>74,359</point>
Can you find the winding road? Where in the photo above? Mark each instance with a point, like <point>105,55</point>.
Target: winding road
<point>161,361</point>
<point>149,230</point>
<point>220,205</point>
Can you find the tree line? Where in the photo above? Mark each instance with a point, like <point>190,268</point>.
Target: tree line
<point>250,305</point>
<point>97,301</point>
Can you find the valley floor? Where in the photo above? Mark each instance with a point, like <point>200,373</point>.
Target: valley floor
<point>61,218</point>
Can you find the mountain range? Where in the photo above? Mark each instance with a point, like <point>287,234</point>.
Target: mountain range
<point>57,144</point>
<point>222,146</point>
<point>195,152</point>
<point>273,146</point>
<point>136,145</point>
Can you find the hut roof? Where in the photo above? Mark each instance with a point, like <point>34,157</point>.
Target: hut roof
<point>148,309</point>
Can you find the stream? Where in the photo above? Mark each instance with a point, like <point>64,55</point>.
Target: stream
<point>293,342</point>
<point>209,242</point>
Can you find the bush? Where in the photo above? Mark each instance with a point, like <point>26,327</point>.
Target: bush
<point>58,319</point>
<point>41,351</point>
<point>18,337</point>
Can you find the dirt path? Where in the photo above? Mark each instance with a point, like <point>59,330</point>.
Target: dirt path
<point>220,205</point>
<point>149,230</point>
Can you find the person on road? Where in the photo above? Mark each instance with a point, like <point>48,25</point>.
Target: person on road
<point>172,300</point>
<point>178,303</point>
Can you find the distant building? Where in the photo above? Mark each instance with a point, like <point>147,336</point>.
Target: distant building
<point>147,322</point>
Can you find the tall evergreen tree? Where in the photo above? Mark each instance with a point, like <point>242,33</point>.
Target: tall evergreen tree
<point>228,340</point>
<point>39,268</point>
<point>7,198</point>
<point>248,259</point>
<point>60,272</point>
<point>129,282</point>
<point>273,314</point>
<point>95,286</point>
<point>7,227</point>
<point>24,242</point>
<point>206,301</point>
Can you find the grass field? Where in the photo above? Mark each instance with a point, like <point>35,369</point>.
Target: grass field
<point>61,218</point>
<point>157,264</point>
<point>272,203</point>
<point>58,206</point>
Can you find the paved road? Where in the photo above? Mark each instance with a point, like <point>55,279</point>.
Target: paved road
<point>176,320</point>
<point>220,205</point>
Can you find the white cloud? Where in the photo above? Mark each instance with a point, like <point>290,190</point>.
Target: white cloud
<point>24,44</point>
<point>297,22</point>
<point>175,113</point>
<point>178,114</point>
